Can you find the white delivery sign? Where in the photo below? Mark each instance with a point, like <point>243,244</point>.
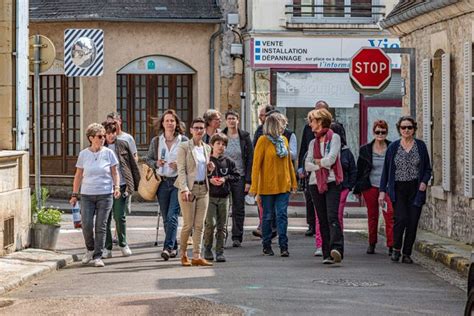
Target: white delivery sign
<point>325,53</point>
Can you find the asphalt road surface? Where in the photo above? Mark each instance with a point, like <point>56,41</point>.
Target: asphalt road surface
<point>248,283</point>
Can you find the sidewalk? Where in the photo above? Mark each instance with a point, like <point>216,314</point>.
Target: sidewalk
<point>23,266</point>
<point>151,209</point>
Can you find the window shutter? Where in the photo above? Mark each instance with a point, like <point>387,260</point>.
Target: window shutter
<point>445,121</point>
<point>427,103</point>
<point>468,161</point>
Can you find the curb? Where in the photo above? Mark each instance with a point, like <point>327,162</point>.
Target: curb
<point>440,254</point>
<point>38,270</point>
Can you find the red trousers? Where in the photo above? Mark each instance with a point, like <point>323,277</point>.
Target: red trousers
<point>371,200</point>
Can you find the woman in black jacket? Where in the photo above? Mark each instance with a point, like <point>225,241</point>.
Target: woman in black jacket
<point>369,171</point>
<point>240,150</point>
<point>405,176</point>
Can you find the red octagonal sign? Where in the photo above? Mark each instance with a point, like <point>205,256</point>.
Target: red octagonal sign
<point>370,68</point>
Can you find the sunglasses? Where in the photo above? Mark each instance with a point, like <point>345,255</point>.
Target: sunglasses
<point>380,132</point>
<point>408,127</point>
<point>100,136</point>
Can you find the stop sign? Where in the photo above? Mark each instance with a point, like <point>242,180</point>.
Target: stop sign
<point>370,68</point>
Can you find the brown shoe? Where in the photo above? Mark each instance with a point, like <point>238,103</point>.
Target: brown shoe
<point>201,262</point>
<point>185,261</point>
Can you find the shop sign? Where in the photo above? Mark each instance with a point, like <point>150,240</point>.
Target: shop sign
<point>314,53</point>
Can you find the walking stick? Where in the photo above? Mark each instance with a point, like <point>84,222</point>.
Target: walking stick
<point>157,226</point>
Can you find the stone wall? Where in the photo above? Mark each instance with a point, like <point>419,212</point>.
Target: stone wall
<point>446,213</point>
<point>14,199</point>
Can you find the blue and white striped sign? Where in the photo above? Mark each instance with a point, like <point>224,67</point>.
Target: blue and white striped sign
<point>83,52</point>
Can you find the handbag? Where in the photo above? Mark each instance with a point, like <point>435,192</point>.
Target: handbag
<point>149,181</point>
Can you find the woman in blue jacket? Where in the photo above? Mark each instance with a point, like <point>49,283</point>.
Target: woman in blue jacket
<point>405,175</point>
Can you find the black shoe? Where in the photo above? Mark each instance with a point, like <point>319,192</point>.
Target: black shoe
<point>395,256</point>
<point>236,244</point>
<point>268,251</point>
<point>257,233</point>
<point>328,260</point>
<point>220,257</point>
<point>407,259</point>
<point>371,249</point>
<point>274,234</point>
<point>208,255</point>
<point>165,254</point>
<point>390,251</point>
<point>284,253</point>
<point>309,232</point>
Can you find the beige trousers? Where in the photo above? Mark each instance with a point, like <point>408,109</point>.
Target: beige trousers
<point>194,215</point>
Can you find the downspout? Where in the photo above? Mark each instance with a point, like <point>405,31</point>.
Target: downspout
<point>21,75</point>
<point>211,66</point>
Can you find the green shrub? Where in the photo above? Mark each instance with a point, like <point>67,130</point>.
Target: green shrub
<point>49,216</point>
<point>44,198</point>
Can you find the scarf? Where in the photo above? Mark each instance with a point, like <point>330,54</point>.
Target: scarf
<point>280,147</point>
<point>322,174</point>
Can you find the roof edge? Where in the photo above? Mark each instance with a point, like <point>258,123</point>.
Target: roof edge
<point>415,12</point>
<point>144,20</point>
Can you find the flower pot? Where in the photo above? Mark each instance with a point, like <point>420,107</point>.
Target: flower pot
<point>45,236</point>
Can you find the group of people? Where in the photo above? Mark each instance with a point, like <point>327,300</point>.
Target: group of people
<point>201,175</point>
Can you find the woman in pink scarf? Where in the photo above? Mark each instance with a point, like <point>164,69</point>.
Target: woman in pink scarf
<point>323,164</point>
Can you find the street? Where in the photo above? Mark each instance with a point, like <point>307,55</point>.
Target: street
<point>248,283</point>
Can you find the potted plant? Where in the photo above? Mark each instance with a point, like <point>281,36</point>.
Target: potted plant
<point>45,223</point>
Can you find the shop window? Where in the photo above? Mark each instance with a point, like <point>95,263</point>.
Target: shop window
<point>140,98</point>
<point>59,124</point>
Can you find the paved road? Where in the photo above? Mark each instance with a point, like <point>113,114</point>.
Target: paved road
<point>247,284</point>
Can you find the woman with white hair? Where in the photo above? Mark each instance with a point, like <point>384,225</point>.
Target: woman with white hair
<point>97,176</point>
<point>273,177</point>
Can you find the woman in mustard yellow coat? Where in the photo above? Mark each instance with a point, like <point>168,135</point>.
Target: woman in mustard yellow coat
<point>273,177</point>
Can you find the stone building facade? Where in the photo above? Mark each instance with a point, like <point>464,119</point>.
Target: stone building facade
<point>15,216</point>
<point>442,34</point>
<point>157,55</point>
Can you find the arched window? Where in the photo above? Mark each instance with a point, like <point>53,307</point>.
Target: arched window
<point>148,86</point>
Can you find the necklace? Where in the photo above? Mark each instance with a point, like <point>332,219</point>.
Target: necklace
<point>96,154</point>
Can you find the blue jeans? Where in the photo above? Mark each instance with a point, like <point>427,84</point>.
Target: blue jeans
<point>100,207</point>
<point>275,204</point>
<point>167,195</point>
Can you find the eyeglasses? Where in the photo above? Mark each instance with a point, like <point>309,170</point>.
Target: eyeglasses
<point>408,127</point>
<point>198,128</point>
<point>380,132</point>
<point>100,136</point>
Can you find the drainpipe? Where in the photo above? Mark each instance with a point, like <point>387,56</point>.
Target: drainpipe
<point>22,73</point>
<point>211,65</point>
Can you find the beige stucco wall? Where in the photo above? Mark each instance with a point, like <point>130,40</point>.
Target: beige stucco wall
<point>447,213</point>
<point>125,42</point>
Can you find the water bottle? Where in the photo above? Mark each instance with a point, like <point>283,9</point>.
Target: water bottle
<point>76,215</point>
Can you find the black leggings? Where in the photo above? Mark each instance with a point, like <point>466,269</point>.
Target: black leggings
<point>406,216</point>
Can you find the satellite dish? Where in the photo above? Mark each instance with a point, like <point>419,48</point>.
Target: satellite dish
<point>84,52</point>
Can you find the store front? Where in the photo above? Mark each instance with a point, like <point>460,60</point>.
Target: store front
<point>294,73</point>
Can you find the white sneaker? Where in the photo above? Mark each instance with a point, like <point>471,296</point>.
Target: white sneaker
<point>318,252</point>
<point>87,257</point>
<point>106,254</point>
<point>99,263</point>
<point>126,252</point>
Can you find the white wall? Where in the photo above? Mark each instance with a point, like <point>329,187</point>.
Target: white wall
<point>269,15</point>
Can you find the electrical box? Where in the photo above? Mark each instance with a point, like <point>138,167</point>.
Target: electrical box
<point>232,19</point>
<point>236,49</point>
